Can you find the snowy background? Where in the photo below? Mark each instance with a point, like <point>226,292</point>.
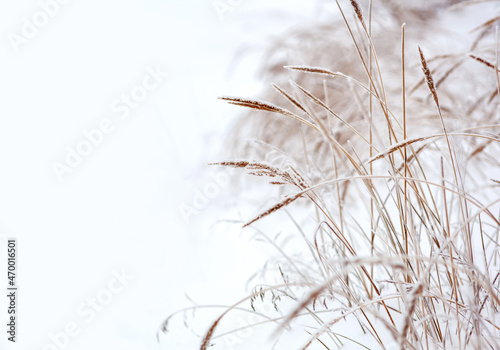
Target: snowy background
<point>106,252</point>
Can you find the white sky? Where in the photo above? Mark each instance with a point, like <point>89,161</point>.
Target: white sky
<point>119,208</point>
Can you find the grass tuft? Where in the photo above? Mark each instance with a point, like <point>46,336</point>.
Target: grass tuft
<point>397,232</point>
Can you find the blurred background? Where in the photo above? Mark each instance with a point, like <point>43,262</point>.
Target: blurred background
<point>108,118</point>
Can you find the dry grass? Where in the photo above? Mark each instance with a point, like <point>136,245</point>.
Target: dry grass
<point>395,157</point>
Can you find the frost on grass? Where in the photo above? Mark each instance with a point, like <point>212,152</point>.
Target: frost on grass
<point>392,141</point>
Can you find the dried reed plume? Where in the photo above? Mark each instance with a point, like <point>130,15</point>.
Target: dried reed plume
<point>395,157</point>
